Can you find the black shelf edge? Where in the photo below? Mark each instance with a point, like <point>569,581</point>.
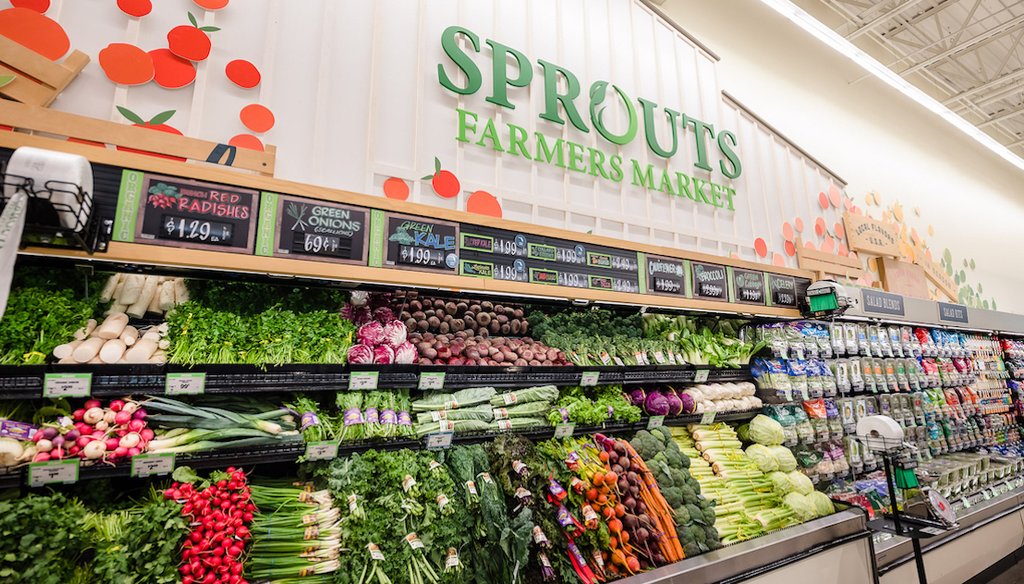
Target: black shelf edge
<point>290,453</point>
<point>118,380</point>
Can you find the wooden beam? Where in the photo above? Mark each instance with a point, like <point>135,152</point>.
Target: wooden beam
<point>39,67</point>
<point>64,124</point>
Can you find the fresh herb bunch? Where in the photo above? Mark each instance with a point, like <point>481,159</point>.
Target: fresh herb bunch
<point>41,541</point>
<point>200,334</point>
<point>594,407</point>
<point>249,298</point>
<point>37,320</point>
<point>138,544</point>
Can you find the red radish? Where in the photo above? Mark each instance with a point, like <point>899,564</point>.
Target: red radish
<point>117,405</point>
<point>133,451</point>
<point>78,414</point>
<point>112,443</point>
<point>41,457</point>
<point>122,418</point>
<point>92,403</point>
<point>146,434</point>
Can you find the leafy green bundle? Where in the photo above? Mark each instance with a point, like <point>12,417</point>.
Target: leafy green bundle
<point>594,407</point>
<point>37,320</point>
<point>41,541</point>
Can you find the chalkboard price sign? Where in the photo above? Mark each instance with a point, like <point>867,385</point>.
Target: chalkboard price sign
<point>710,281</point>
<point>782,289</point>
<point>666,276</point>
<point>317,229</point>
<point>748,286</point>
<point>187,213</point>
<point>422,244</point>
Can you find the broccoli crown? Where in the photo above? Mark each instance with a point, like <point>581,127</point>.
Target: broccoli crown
<point>663,434</point>
<point>696,534</point>
<point>691,550</point>
<point>713,537</point>
<point>673,497</point>
<point>646,444</point>
<point>709,516</point>
<point>682,514</point>
<point>689,497</point>
<point>674,458</point>
<point>695,513</point>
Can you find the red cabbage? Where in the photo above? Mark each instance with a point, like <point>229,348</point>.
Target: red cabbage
<point>395,333</point>
<point>406,353</point>
<point>637,397</point>
<point>371,334</point>
<point>675,405</point>
<point>689,404</point>
<point>360,354</point>
<point>383,355</point>
<point>656,404</point>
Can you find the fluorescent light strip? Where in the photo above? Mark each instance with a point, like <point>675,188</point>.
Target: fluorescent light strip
<point>830,37</point>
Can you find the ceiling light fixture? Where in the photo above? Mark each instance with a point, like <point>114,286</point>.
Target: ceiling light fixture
<point>833,39</point>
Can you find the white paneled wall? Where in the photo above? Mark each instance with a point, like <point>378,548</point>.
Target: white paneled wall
<point>353,85</point>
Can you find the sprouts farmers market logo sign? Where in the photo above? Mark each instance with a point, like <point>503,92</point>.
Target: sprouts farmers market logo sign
<point>714,150</point>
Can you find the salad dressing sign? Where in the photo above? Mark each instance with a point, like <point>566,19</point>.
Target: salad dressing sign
<point>186,213</point>
<point>419,243</point>
<point>295,227</point>
<point>710,281</point>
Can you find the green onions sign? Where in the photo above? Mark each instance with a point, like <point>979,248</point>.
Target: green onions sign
<point>564,102</point>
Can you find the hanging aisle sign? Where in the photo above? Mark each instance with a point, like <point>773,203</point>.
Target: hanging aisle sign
<point>180,212</point>
<point>306,228</point>
<point>871,236</point>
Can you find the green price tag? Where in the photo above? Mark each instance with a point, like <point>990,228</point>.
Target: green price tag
<point>431,380</point>
<point>363,380</point>
<point>655,422</point>
<point>67,384</point>
<point>53,472</point>
<point>708,418</point>
<point>326,450</point>
<point>439,440</point>
<point>564,431</point>
<point>589,378</point>
<point>185,384</point>
<point>145,465</point>
<point>701,376</point>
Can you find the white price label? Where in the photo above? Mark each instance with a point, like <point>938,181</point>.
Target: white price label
<point>185,383</point>
<point>146,465</point>
<point>375,552</point>
<point>655,422</point>
<point>708,418</point>
<point>53,472</point>
<point>326,450</point>
<point>363,380</point>
<point>701,376</point>
<point>564,431</point>
<point>589,378</point>
<point>439,440</point>
<point>432,380</point>
<point>67,384</point>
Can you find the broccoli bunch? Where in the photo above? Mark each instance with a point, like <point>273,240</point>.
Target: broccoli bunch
<point>694,513</point>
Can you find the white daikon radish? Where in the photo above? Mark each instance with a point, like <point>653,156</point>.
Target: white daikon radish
<point>180,291</point>
<point>112,351</point>
<point>158,357</point>
<point>154,303</point>
<point>162,329</point>
<point>112,327</point>
<point>108,289</point>
<point>129,335</point>
<point>64,351</point>
<point>138,310</point>
<point>90,326</point>
<point>164,344</point>
<point>67,361</point>
<point>119,290</point>
<point>80,334</point>
<point>88,349</point>
<point>95,360</point>
<point>141,351</point>
<point>152,335</point>
<point>115,308</point>
<point>108,292</point>
<point>166,295</point>
<point>133,284</point>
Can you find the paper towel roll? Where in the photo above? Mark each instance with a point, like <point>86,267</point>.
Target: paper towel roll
<point>43,166</point>
<point>880,433</point>
<point>12,222</point>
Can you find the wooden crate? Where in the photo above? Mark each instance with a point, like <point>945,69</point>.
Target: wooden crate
<point>37,80</point>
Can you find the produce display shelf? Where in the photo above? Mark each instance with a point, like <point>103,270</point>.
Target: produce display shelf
<point>749,559</point>
<point>892,551</point>
<point>147,379</point>
<point>290,453</point>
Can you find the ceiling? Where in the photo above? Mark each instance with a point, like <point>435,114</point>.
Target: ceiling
<point>967,54</point>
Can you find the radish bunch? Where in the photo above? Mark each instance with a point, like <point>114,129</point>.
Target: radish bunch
<point>97,433</point>
<point>220,515</point>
